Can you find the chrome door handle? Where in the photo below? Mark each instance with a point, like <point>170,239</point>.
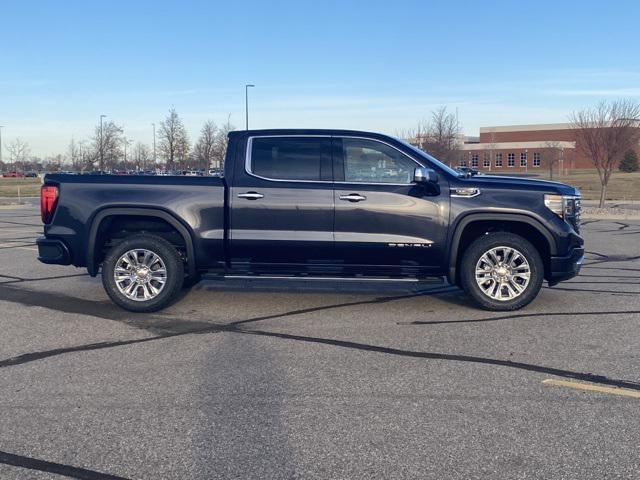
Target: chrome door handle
<point>251,195</point>
<point>353,197</point>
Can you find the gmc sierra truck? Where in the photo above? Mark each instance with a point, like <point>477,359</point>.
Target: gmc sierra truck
<point>314,203</point>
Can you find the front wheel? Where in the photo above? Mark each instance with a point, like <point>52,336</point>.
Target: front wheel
<point>143,273</point>
<point>502,271</point>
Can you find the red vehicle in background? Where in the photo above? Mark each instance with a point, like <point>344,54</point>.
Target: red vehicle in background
<point>13,175</point>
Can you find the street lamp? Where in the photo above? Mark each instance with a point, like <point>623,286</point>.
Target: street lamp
<point>246,103</point>
<point>101,144</point>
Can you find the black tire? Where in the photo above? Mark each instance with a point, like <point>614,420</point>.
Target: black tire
<point>174,272</point>
<point>484,244</point>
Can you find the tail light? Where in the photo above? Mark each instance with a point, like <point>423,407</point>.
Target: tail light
<point>48,202</point>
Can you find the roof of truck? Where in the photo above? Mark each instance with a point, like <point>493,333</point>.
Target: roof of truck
<point>307,131</point>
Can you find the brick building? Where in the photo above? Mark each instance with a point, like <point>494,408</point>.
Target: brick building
<point>520,148</point>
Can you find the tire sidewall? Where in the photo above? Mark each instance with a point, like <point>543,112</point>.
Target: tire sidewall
<point>487,242</point>
<point>171,259</point>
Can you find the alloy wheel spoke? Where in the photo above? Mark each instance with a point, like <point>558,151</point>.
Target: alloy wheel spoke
<point>502,273</point>
<point>140,274</point>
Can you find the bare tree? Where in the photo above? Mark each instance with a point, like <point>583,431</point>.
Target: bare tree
<point>174,141</point>
<point>604,133</point>
<point>438,136</point>
<point>141,154</point>
<point>107,139</point>
<point>73,151</point>
<point>18,151</point>
<point>204,149</point>
<point>554,154</point>
<point>221,143</point>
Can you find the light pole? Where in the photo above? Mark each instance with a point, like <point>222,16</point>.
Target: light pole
<point>246,103</point>
<point>101,145</point>
<point>155,160</point>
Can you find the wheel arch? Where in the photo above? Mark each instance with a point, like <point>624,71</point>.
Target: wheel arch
<point>473,225</point>
<point>101,216</point>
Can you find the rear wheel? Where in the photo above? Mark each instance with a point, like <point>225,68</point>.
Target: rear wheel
<point>502,271</point>
<point>144,273</point>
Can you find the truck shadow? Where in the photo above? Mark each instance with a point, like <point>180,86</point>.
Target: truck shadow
<point>163,327</point>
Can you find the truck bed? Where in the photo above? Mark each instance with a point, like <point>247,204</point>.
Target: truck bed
<point>196,202</point>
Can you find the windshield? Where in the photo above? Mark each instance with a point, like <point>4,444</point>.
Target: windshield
<point>431,159</point>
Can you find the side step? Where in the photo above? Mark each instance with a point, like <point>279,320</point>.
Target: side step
<point>423,280</point>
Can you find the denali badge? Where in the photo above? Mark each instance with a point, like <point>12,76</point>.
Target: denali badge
<point>410,245</point>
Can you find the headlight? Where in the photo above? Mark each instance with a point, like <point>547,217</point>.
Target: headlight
<point>563,205</point>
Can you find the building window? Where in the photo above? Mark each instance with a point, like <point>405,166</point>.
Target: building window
<point>536,159</point>
<point>523,159</point>
<point>474,160</point>
<point>463,162</point>
<point>487,160</point>
<point>498,160</point>
<point>511,160</point>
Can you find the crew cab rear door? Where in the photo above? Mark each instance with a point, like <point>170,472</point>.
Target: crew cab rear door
<point>384,222</point>
<point>282,205</point>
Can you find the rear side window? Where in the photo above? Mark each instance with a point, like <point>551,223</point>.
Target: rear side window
<point>289,158</point>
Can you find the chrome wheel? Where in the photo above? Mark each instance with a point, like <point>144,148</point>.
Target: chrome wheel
<point>140,275</point>
<point>503,273</point>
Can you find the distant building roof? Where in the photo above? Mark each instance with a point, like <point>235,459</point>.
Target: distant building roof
<point>526,128</point>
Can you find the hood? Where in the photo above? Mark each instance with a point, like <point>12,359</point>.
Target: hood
<point>512,183</point>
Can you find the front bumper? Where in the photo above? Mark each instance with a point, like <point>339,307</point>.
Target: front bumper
<point>53,251</point>
<point>564,268</point>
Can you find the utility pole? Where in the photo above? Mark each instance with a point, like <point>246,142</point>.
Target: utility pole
<point>155,160</point>
<point>246,103</point>
<point>101,144</point>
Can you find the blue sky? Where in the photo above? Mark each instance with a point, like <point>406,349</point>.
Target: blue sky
<point>371,65</point>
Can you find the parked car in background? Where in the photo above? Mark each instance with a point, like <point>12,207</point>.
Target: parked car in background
<point>31,175</point>
<point>304,203</point>
<point>13,174</point>
<point>468,171</point>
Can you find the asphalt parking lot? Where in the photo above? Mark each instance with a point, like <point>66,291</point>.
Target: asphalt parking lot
<point>334,380</point>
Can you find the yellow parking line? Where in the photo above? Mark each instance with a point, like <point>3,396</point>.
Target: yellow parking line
<point>593,388</point>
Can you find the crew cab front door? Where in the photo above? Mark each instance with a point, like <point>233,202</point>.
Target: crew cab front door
<point>384,222</point>
<point>282,207</point>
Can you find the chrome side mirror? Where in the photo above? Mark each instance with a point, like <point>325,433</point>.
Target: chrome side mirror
<point>424,175</point>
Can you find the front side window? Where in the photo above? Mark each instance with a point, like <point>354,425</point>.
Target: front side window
<point>287,158</point>
<point>369,161</point>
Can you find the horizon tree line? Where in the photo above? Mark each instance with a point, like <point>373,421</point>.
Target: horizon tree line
<point>605,133</point>
<point>109,149</point>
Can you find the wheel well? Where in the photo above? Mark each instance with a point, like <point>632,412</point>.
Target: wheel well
<point>476,229</point>
<point>115,228</point>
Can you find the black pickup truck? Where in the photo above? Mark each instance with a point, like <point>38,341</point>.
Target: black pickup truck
<point>314,203</point>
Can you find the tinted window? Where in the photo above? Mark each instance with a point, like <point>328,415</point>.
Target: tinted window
<point>374,162</point>
<point>287,158</point>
